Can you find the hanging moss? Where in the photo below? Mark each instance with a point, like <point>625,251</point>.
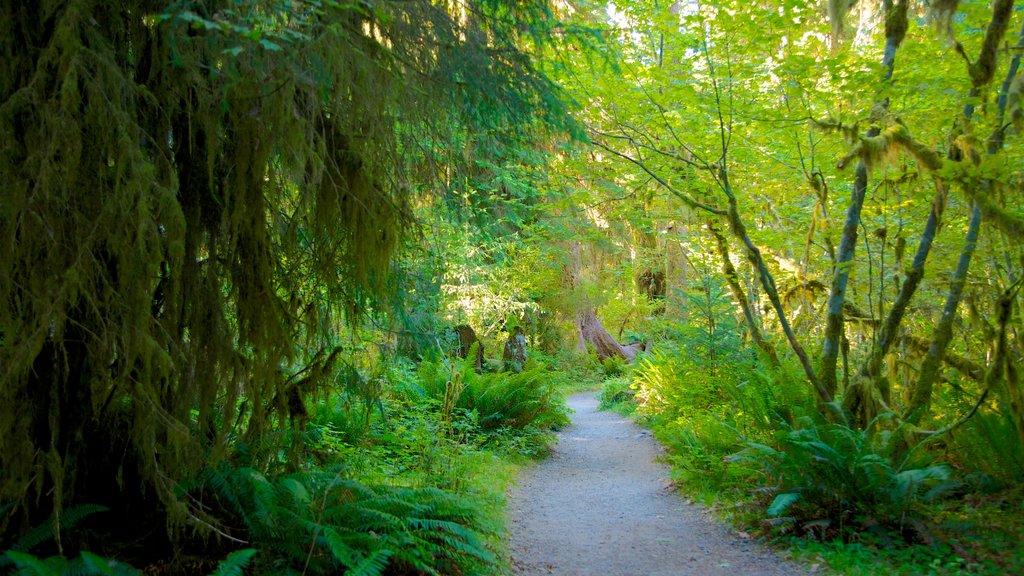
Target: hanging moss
<point>1014,108</point>
<point>941,12</point>
<point>885,149</point>
<point>850,132</point>
<point>836,11</point>
<point>193,196</point>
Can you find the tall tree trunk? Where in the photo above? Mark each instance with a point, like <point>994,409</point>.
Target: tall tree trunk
<point>981,74</point>
<point>650,279</point>
<point>837,295</point>
<point>739,229</point>
<point>895,30</point>
<point>943,332</point>
<point>589,329</point>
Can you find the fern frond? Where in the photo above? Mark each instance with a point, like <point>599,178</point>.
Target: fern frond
<point>68,519</point>
<point>373,565</point>
<point>28,565</point>
<point>235,563</point>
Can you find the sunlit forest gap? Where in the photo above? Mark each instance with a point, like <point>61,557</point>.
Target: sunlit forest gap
<point>297,286</point>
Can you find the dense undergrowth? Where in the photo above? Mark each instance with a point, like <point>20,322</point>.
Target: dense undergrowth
<point>408,482</point>
<point>750,441</point>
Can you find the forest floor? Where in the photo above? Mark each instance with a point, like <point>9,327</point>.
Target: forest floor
<point>602,505</point>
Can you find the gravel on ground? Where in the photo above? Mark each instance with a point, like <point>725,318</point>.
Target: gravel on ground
<point>603,505</point>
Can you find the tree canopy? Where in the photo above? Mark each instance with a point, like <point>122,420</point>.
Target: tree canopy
<point>239,235</point>
<point>197,196</point>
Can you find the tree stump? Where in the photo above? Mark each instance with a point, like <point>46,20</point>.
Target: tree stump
<point>467,338</point>
<point>515,350</point>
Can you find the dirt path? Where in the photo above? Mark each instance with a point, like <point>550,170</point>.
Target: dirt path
<point>601,506</point>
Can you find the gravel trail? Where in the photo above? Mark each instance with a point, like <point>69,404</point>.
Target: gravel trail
<point>601,506</point>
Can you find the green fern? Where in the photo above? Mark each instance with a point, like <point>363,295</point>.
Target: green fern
<point>69,518</point>
<point>87,564</point>
<point>502,400</point>
<point>235,563</point>
<point>320,523</point>
<point>832,475</point>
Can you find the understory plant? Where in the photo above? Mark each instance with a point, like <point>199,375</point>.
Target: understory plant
<point>832,480</point>
<point>495,402</point>
<point>320,522</point>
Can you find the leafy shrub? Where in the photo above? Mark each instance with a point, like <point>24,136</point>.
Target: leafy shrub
<point>615,391</point>
<point>834,478</point>
<point>576,370</point>
<point>514,400</point>
<point>989,445</point>
<point>658,378</point>
<point>498,400</point>
<point>321,523</point>
<point>613,366</point>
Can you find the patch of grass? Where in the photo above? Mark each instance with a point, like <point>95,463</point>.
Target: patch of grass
<point>872,556</point>
<point>490,477</point>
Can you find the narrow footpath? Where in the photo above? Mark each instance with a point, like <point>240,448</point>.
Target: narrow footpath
<point>602,506</point>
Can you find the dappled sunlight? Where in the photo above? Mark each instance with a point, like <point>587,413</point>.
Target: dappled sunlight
<point>303,286</point>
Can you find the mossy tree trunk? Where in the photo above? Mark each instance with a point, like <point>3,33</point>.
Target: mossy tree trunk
<point>982,71</point>
<point>195,198</point>
<point>895,31</point>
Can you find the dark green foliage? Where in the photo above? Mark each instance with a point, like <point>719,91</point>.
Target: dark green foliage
<point>19,560</point>
<point>615,391</point>
<point>50,530</point>
<point>235,563</point>
<point>198,196</point>
<point>838,480</point>
<point>87,564</point>
<point>321,523</point>
<point>502,399</point>
<point>987,445</point>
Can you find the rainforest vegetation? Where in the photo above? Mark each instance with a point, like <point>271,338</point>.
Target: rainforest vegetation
<point>290,286</point>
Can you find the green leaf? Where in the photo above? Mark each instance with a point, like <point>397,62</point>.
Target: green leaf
<point>782,502</point>
<point>30,564</point>
<point>106,566</point>
<point>235,563</point>
<point>272,46</point>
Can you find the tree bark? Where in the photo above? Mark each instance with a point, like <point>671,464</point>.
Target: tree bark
<point>922,394</point>
<point>981,74</point>
<point>514,355</point>
<point>890,327</point>
<point>732,279</point>
<point>895,30</point>
<point>589,330</point>
<point>467,340</point>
